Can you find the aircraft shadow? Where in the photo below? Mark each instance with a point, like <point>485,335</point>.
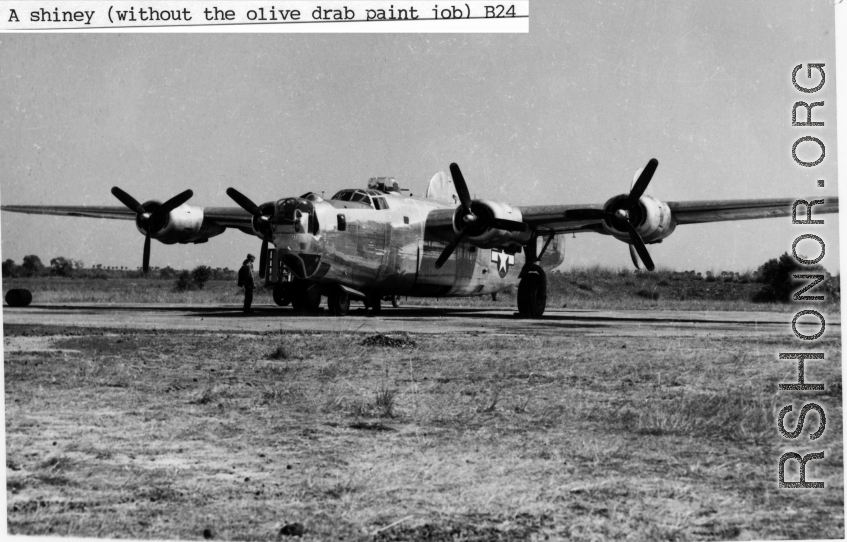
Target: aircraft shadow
<point>491,313</point>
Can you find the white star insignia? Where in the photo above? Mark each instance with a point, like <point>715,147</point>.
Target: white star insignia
<point>503,260</point>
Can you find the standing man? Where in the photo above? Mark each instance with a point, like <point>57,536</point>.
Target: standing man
<point>245,279</point>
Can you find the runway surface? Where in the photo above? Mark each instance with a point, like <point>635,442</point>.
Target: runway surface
<point>416,320</point>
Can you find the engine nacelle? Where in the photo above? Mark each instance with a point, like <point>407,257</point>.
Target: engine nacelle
<point>480,234</point>
<point>185,224</point>
<point>652,220</point>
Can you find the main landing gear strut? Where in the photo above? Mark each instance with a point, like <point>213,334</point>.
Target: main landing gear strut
<point>532,290</point>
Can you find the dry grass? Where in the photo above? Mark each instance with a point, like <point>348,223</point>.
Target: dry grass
<point>473,437</point>
<point>126,290</point>
<point>595,287</point>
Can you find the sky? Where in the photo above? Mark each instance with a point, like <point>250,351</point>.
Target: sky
<point>564,114</point>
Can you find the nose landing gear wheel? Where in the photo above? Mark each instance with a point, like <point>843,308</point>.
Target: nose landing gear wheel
<point>282,295</point>
<point>306,298</point>
<point>338,303</point>
<point>532,294</point>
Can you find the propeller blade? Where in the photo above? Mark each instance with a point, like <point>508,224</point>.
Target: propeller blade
<point>634,256</point>
<point>640,247</point>
<point>508,225</point>
<point>127,200</point>
<point>461,187</point>
<point>643,180</point>
<point>243,202</point>
<point>145,262</point>
<point>448,250</point>
<point>263,258</point>
<point>176,201</point>
<point>635,177</point>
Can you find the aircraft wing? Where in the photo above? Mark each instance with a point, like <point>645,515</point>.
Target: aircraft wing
<point>574,218</point>
<point>114,212</point>
<point>697,212</point>
<point>228,217</point>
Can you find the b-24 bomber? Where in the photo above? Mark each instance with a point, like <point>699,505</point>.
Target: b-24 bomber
<point>367,244</point>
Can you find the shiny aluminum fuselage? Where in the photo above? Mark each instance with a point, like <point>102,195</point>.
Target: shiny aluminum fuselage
<point>393,251</point>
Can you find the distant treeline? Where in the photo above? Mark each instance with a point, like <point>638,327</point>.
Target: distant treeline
<point>772,282</point>
<point>60,266</point>
<point>775,276</point>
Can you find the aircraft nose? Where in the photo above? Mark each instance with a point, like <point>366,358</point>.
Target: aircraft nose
<point>303,266</point>
<point>295,242</point>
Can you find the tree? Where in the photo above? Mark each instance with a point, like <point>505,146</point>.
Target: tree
<point>200,275</point>
<point>9,267</point>
<point>778,284</point>
<point>183,281</point>
<point>62,266</point>
<point>32,265</point>
<point>167,272</point>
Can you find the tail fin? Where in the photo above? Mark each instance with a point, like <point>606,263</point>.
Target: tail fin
<point>442,189</point>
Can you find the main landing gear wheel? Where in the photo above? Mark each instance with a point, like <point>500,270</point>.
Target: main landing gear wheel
<point>282,295</point>
<point>306,298</point>
<point>338,302</point>
<point>532,294</point>
<point>395,300</point>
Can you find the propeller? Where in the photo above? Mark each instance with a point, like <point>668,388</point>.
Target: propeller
<point>625,210</point>
<point>642,181</point>
<point>261,221</point>
<point>634,255</point>
<point>448,250</point>
<point>153,220</point>
<point>468,219</point>
<point>640,247</point>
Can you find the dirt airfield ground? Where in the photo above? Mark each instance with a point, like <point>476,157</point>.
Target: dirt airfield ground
<point>171,422</point>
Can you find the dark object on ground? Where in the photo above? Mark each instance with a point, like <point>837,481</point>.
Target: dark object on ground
<point>292,529</point>
<point>207,533</point>
<point>18,297</point>
<point>387,340</point>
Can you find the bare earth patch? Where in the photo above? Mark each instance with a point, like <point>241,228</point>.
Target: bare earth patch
<point>165,435</point>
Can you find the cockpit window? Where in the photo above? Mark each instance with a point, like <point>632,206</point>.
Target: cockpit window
<point>361,197</point>
<point>374,198</point>
<point>286,210</point>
